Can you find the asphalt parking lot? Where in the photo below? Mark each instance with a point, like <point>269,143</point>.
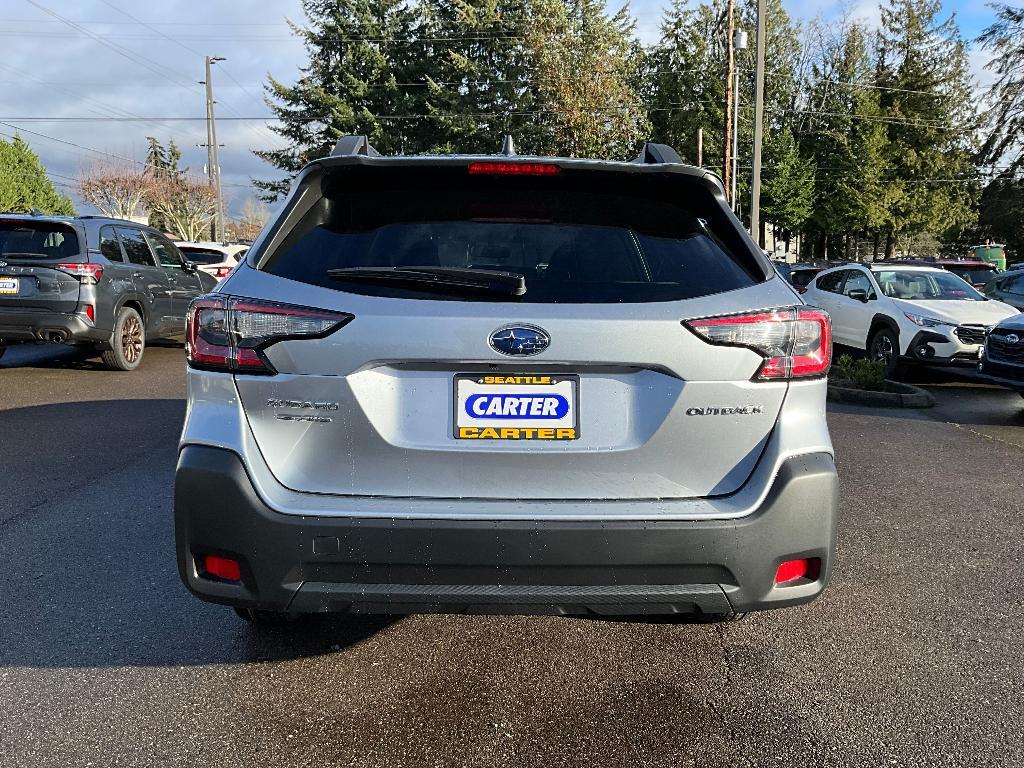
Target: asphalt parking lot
<point>912,657</point>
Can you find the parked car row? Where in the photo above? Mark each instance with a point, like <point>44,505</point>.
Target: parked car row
<point>900,313</point>
<point>99,283</point>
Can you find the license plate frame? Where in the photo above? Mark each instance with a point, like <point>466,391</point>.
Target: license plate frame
<point>564,387</point>
<point>9,286</point>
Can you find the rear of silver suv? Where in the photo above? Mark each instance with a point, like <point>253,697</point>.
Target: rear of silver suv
<point>506,385</point>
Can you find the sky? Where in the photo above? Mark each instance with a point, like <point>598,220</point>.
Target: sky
<point>102,58</point>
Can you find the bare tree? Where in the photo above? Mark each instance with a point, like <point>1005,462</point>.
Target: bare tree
<point>119,191</point>
<point>248,226</point>
<point>188,205</point>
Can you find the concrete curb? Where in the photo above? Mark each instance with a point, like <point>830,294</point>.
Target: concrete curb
<point>897,395</point>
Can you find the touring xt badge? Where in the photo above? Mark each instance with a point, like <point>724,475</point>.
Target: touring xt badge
<point>738,410</point>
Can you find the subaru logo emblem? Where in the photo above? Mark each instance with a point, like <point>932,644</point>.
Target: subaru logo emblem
<point>1013,338</point>
<point>520,340</point>
<point>3,263</point>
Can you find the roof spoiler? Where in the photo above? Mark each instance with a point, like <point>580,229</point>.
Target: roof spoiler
<point>658,153</point>
<point>354,145</point>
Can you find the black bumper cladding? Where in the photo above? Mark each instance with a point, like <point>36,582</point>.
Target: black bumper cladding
<point>320,564</point>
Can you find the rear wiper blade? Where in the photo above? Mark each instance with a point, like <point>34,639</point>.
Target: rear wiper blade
<point>443,279</point>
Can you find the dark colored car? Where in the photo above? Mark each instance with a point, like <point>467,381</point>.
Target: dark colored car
<point>1007,287</point>
<point>96,282</point>
<point>802,274</point>
<point>974,271</point>
<point>1002,358</point>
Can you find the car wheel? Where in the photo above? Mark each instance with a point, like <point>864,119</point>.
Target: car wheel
<point>128,342</point>
<point>266,618</point>
<point>885,348</point>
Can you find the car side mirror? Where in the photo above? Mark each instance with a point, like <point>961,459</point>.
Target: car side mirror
<point>859,294</point>
<point>190,266</point>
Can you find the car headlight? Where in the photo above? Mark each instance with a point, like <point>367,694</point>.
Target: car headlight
<point>926,322</point>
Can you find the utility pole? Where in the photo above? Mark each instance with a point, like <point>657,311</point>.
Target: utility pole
<point>755,190</point>
<point>739,43</point>
<point>700,147</point>
<point>727,165</point>
<point>212,159</point>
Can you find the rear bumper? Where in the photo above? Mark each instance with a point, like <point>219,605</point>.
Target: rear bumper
<point>395,565</point>
<point>42,325</point>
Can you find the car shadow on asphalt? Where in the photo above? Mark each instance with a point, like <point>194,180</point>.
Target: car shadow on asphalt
<point>64,356</point>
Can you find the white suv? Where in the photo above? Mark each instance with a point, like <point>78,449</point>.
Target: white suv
<point>904,313</point>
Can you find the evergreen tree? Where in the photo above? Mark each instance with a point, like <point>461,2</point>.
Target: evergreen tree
<point>1002,212</point>
<point>480,76</point>
<point>1005,39</point>
<point>362,55</point>
<point>161,160</point>
<point>585,77</point>
<point>787,196</point>
<point>925,97</point>
<point>24,184</point>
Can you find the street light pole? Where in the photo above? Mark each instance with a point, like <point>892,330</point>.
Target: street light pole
<point>727,149</point>
<point>212,158</point>
<point>755,187</point>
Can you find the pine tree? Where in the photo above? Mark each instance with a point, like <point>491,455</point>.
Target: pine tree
<point>926,100</point>
<point>480,76</point>
<point>787,196</point>
<point>585,77</point>
<point>24,184</point>
<point>1005,40</point>
<point>362,54</point>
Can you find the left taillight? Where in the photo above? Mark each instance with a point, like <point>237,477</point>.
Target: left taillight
<point>227,333</point>
<point>221,272</point>
<point>87,274</point>
<point>796,342</point>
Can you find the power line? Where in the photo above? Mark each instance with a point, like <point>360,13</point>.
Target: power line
<point>70,143</point>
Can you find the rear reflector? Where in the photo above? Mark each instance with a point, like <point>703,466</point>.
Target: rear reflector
<point>87,274</point>
<point>90,312</point>
<point>223,333</point>
<point>796,342</point>
<point>221,568</point>
<point>791,570</point>
<point>514,169</point>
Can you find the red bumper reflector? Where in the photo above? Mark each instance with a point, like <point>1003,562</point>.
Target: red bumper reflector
<point>222,568</point>
<point>791,570</point>
<point>90,312</point>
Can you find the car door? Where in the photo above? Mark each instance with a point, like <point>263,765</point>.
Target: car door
<point>821,292</point>
<point>150,280</point>
<point>184,284</point>
<point>851,318</point>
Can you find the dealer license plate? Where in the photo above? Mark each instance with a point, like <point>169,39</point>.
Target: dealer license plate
<point>517,407</point>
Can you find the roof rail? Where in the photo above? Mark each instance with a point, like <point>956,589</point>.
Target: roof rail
<point>354,145</point>
<point>658,153</point>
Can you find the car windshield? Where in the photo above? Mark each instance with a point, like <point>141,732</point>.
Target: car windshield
<point>918,285</point>
<point>37,240</point>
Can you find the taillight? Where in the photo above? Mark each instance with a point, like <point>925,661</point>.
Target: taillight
<point>225,333</point>
<point>220,272</point>
<point>796,342</point>
<point>87,274</point>
<point>513,169</point>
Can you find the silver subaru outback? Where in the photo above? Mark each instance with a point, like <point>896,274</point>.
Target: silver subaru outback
<point>505,384</point>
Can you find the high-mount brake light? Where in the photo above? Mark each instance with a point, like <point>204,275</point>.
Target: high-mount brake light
<point>87,274</point>
<point>226,333</point>
<point>796,342</point>
<point>513,169</point>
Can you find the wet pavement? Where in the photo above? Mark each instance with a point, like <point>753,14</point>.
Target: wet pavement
<point>911,657</point>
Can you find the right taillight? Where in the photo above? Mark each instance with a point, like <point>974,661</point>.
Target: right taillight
<point>226,333</point>
<point>796,342</point>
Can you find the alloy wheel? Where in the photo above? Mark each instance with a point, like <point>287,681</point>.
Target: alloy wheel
<point>131,339</point>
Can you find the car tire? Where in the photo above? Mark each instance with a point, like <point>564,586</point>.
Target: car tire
<point>884,346</point>
<point>266,618</point>
<point>127,342</point>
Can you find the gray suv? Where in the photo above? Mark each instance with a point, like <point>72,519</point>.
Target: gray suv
<point>505,384</point>
<point>104,284</point>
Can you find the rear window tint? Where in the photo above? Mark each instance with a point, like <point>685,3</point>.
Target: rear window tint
<point>37,240</point>
<point>640,239</point>
<point>203,256</point>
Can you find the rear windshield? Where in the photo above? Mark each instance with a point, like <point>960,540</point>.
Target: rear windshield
<point>573,238</point>
<point>977,275</point>
<point>802,277</point>
<point>37,240</point>
<point>202,255</point>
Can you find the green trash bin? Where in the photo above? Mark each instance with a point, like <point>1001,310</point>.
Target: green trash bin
<point>993,253</point>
